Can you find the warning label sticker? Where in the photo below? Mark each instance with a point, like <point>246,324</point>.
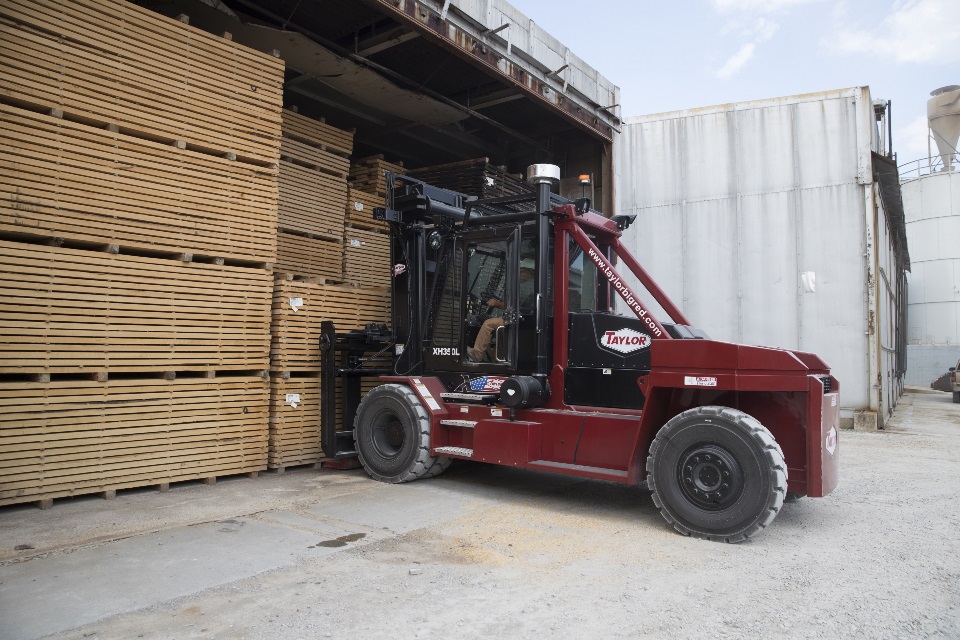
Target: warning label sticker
<point>694,381</point>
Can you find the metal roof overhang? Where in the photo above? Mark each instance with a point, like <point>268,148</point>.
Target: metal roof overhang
<point>420,81</point>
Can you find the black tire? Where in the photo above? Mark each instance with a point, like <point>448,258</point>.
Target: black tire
<point>392,431</point>
<point>716,473</point>
<point>956,397</point>
<point>792,497</point>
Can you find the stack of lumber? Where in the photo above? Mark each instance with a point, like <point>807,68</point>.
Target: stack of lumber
<point>112,62</point>
<point>83,183</point>
<point>69,310</point>
<point>299,308</point>
<point>72,437</point>
<point>294,421</point>
<point>137,227</point>
<point>367,174</point>
<point>313,195</point>
<point>360,206</point>
<point>366,257</point>
<point>475,177</point>
<point>313,207</point>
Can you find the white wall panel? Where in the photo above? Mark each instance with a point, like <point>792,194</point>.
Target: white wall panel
<point>769,273</point>
<point>767,190</point>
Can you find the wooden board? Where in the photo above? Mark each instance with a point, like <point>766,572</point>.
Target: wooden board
<point>296,334</point>
<point>66,438</point>
<point>366,174</point>
<point>74,181</point>
<point>317,133</point>
<point>360,206</point>
<point>70,311</point>
<point>303,256</point>
<point>113,62</point>
<point>311,201</point>
<point>366,257</point>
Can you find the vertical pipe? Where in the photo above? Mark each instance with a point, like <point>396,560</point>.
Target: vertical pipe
<point>543,281</point>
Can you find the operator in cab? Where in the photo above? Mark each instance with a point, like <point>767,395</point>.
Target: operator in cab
<point>478,352</point>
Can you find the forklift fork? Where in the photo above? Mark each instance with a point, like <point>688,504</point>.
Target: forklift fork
<point>355,363</point>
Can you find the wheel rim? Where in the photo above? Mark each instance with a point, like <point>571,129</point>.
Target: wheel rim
<point>389,435</point>
<point>711,477</point>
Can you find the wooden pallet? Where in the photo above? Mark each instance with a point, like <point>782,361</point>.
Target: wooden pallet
<point>360,206</point>
<point>475,177</point>
<point>67,438</point>
<point>305,256</point>
<point>74,181</point>
<point>366,257</point>
<point>311,202</point>
<point>110,61</point>
<point>71,311</point>
<point>366,174</point>
<point>316,132</point>
<point>296,334</point>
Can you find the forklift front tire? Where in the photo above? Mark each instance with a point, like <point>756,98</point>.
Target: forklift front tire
<point>716,473</point>
<point>392,432</point>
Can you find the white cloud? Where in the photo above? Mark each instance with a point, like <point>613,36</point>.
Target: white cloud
<point>763,29</point>
<point>915,31</point>
<point>756,6</point>
<point>735,62</point>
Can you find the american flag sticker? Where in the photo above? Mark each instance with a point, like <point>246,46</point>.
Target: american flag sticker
<point>487,383</point>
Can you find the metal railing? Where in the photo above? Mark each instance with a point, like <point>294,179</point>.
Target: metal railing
<point>926,166</point>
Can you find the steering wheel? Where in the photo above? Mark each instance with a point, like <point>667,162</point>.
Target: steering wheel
<point>474,304</point>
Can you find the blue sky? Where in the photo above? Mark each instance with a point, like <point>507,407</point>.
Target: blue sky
<point>666,55</point>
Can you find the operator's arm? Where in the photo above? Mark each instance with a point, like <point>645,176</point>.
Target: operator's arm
<point>493,302</point>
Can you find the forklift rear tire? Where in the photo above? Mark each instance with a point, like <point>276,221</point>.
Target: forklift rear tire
<point>392,432</point>
<point>956,397</point>
<point>716,473</point>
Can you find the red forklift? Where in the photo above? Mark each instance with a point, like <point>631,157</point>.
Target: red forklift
<point>721,434</point>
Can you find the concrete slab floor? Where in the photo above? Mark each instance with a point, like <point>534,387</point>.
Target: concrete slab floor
<point>488,551</point>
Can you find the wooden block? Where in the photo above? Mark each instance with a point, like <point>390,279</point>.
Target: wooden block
<point>72,181</point>
<point>46,503</point>
<point>310,256</point>
<point>360,206</point>
<point>72,437</point>
<point>110,494</point>
<point>113,61</point>
<point>295,345</point>
<point>366,257</point>
<point>73,311</point>
<point>211,480</point>
<point>163,487</point>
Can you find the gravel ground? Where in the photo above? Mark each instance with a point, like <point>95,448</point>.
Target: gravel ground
<point>485,551</point>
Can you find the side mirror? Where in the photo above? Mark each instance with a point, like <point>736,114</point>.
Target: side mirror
<point>581,205</point>
<point>952,369</point>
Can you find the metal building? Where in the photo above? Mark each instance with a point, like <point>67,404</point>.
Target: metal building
<point>778,222</point>
<point>931,200</point>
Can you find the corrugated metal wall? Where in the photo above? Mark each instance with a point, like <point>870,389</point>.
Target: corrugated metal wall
<point>735,203</point>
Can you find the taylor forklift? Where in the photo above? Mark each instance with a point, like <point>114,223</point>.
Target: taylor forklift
<point>720,433</point>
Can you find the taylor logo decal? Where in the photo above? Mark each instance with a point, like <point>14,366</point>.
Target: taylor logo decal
<point>831,440</point>
<point>625,340</point>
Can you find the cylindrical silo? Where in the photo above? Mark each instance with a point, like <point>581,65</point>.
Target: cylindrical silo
<point>931,203</point>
